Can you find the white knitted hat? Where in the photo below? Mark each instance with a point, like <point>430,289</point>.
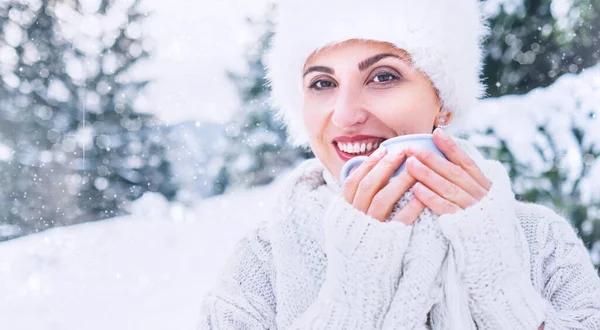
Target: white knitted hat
<point>443,38</point>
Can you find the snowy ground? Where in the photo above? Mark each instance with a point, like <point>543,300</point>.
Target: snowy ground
<point>146,271</point>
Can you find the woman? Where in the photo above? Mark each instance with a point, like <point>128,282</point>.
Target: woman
<point>444,245</point>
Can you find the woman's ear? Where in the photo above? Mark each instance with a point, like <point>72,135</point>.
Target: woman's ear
<point>443,118</point>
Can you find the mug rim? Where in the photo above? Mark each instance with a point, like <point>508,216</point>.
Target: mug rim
<point>406,137</point>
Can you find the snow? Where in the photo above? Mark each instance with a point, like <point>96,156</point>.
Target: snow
<point>13,33</point>
<point>58,91</point>
<point>6,153</point>
<point>572,101</point>
<point>194,49</point>
<point>144,271</point>
<point>492,7</point>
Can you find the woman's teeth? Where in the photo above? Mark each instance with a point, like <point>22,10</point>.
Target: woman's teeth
<point>358,147</point>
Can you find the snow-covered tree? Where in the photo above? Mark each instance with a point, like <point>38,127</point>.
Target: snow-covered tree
<point>258,150</point>
<point>79,149</point>
<point>549,139</point>
<point>533,42</point>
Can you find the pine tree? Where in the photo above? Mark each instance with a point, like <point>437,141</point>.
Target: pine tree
<point>531,45</point>
<point>80,149</point>
<point>258,150</point>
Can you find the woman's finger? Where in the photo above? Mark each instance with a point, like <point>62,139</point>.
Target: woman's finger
<point>376,179</point>
<point>384,201</point>
<point>452,173</point>
<point>438,184</point>
<point>433,201</point>
<point>357,175</point>
<point>410,212</point>
<point>456,155</point>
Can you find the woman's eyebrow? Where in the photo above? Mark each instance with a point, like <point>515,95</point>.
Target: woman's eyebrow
<point>319,69</point>
<point>374,59</point>
<point>365,64</point>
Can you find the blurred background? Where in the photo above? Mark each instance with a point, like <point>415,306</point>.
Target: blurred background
<point>137,145</point>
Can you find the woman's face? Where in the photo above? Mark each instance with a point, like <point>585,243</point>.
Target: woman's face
<point>360,93</point>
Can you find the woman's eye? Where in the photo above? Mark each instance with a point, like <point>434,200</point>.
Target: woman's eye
<point>384,77</point>
<point>322,84</point>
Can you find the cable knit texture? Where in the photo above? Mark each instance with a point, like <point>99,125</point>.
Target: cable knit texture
<point>321,264</point>
<point>420,284</point>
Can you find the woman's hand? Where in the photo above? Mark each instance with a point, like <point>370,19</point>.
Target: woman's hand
<point>500,293</point>
<point>368,190</point>
<point>446,186</point>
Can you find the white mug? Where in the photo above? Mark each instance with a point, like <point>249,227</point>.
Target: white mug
<point>396,144</point>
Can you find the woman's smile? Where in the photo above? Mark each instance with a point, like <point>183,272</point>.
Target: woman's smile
<point>358,145</point>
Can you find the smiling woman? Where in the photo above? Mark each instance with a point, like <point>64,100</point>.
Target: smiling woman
<point>364,92</point>
<point>442,245</point>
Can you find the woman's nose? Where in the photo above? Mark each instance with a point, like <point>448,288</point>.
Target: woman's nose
<point>348,109</point>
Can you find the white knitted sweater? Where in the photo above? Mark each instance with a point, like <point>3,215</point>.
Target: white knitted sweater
<point>321,264</point>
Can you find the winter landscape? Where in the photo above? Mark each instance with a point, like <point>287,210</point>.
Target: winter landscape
<point>134,156</point>
<point>148,270</point>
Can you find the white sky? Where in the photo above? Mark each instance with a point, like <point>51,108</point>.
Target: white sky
<point>196,41</point>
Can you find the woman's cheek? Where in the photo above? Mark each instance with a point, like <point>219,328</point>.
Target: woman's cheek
<point>403,110</point>
<point>317,106</point>
<point>387,102</point>
<point>314,118</point>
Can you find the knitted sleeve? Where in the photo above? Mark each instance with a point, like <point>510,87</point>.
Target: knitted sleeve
<point>562,271</point>
<point>490,256</point>
<point>244,297</point>
<point>364,261</point>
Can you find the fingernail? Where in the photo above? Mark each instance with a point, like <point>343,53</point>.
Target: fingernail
<point>413,160</point>
<point>417,186</point>
<point>379,152</point>
<point>422,189</point>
